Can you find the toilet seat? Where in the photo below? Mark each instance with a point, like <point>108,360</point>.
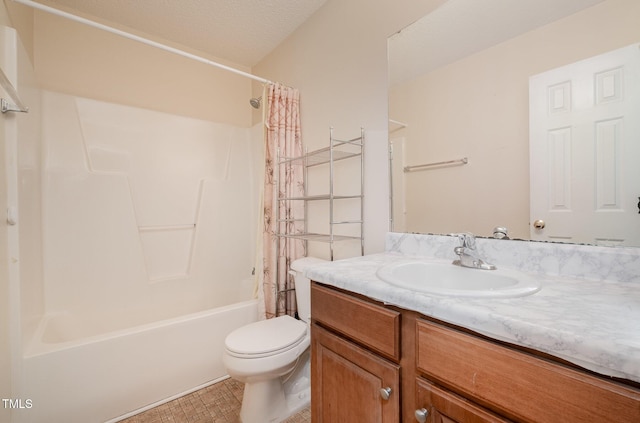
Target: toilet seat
<point>266,337</point>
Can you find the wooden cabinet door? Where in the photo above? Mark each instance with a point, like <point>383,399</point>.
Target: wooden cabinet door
<point>446,407</point>
<point>347,382</point>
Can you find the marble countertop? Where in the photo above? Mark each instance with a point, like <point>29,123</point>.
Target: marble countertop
<point>592,323</point>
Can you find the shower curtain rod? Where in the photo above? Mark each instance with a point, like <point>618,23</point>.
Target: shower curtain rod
<point>130,36</point>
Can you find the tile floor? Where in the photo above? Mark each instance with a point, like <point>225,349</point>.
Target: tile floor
<point>217,403</point>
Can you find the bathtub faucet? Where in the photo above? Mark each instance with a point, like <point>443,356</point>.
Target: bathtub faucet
<point>468,254</point>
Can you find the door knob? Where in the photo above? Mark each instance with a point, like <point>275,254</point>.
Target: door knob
<point>421,415</point>
<point>539,224</point>
<point>385,393</point>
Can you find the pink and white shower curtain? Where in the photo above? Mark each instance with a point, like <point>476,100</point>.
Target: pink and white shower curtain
<point>283,134</point>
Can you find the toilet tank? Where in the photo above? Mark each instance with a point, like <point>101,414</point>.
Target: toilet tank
<point>303,285</point>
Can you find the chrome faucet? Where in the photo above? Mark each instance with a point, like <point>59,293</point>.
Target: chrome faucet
<point>468,253</point>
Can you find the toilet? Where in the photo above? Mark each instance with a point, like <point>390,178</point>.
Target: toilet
<point>272,358</point>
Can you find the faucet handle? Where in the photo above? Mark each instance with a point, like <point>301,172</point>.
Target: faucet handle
<point>467,240</point>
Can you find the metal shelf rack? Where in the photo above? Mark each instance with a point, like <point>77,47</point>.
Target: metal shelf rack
<point>336,151</point>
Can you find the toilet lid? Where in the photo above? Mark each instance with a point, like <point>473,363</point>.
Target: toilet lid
<point>266,336</point>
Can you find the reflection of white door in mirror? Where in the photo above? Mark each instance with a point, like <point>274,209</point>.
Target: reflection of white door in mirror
<point>398,205</point>
<point>585,150</point>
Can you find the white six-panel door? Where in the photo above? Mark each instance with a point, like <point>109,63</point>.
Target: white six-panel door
<point>585,150</point>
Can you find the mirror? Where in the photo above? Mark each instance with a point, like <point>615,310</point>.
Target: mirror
<point>459,102</point>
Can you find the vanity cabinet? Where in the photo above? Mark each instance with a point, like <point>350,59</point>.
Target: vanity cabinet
<point>377,363</point>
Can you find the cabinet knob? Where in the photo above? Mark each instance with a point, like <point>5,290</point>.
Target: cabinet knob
<point>385,393</point>
<point>421,415</point>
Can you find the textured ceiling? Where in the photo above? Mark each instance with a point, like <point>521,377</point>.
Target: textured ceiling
<point>241,31</point>
<point>463,27</point>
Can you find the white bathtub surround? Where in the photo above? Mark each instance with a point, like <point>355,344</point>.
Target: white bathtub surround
<point>140,208</point>
<point>148,223</point>
<point>586,312</point>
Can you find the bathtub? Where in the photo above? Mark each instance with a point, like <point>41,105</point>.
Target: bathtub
<point>72,376</point>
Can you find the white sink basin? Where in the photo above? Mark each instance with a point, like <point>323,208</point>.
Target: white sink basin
<point>444,278</point>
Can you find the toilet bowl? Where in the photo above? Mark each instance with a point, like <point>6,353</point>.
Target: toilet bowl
<point>272,357</point>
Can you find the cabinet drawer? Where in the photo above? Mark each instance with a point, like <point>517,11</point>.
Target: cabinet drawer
<point>519,385</point>
<point>446,407</point>
<point>371,325</point>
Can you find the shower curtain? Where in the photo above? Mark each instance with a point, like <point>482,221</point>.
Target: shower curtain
<point>283,134</point>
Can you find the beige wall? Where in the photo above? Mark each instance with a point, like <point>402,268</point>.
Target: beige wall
<point>478,107</point>
<point>338,60</point>
<point>20,18</point>
<point>76,59</point>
